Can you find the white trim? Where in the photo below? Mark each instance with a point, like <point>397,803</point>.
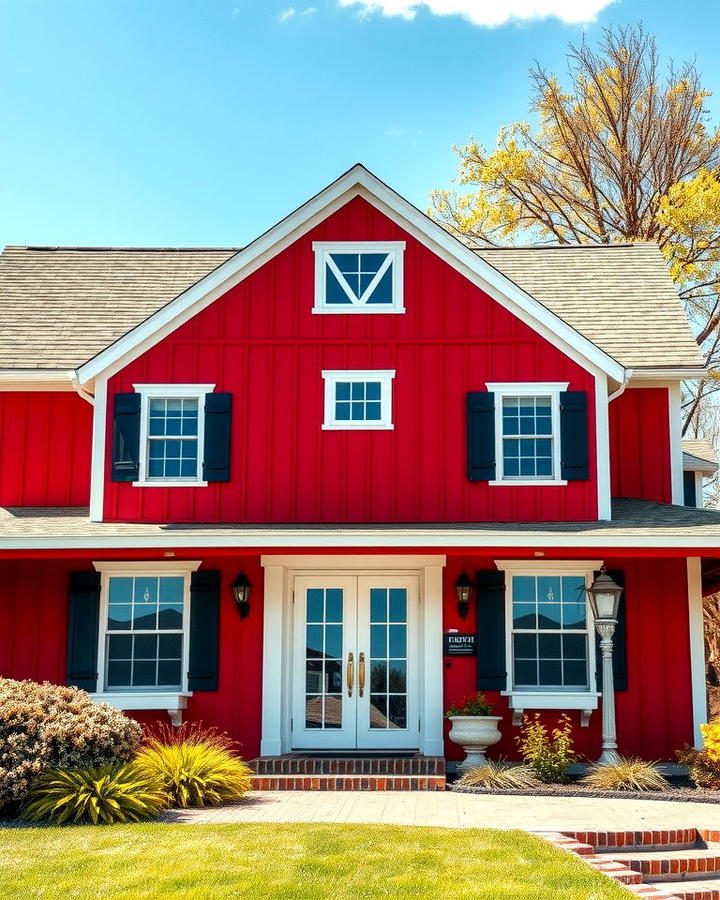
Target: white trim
<point>527,389</point>
<point>167,700</point>
<point>692,463</point>
<point>395,251</point>
<point>699,491</point>
<point>22,380</point>
<point>602,449</point>
<point>356,182</point>
<point>280,571</point>
<point>171,392</point>
<point>353,538</point>
<point>697,647</point>
<point>554,698</point>
<point>667,372</point>
<point>115,568</point>
<point>383,377</point>
<point>675,427</point>
<point>97,467</point>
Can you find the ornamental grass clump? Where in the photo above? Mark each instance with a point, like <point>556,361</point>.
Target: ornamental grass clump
<point>548,753</point>
<point>46,726</point>
<point>196,766</point>
<point>704,765</point>
<point>100,796</point>
<point>628,773</point>
<point>499,775</point>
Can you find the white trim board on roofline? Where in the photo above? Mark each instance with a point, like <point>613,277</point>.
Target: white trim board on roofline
<point>357,181</point>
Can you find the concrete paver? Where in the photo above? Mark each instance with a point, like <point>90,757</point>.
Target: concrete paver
<point>451,810</point>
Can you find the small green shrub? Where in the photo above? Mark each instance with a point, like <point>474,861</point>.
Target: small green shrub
<point>629,773</point>
<point>47,726</point>
<point>549,754</point>
<point>196,766</point>
<point>104,795</point>
<point>471,706</point>
<point>501,775</point>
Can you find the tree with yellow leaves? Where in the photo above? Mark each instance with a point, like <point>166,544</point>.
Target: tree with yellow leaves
<point>625,154</point>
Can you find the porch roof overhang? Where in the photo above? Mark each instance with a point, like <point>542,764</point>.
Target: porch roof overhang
<point>635,524</point>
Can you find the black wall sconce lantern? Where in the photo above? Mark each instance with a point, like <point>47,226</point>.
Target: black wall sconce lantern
<point>241,592</point>
<point>464,588</point>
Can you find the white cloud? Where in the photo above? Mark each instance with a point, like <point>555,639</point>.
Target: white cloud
<point>489,13</point>
<point>287,14</point>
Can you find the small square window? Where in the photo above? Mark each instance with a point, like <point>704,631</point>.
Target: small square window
<point>358,400</point>
<point>352,277</point>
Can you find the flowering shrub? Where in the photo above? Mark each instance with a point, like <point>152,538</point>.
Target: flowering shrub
<point>548,753</point>
<point>471,706</point>
<point>704,765</point>
<point>45,726</point>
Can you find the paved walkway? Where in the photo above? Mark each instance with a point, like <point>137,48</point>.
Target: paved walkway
<point>448,810</point>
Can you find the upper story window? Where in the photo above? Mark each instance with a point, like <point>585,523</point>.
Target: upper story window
<point>527,433</point>
<point>171,433</point>
<point>143,635</point>
<point>359,277</point>
<point>358,399</point>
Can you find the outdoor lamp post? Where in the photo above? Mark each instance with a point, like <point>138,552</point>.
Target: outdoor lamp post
<point>604,597</point>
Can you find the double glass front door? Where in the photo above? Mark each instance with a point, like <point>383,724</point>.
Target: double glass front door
<point>355,662</point>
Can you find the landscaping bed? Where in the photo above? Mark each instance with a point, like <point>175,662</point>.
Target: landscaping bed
<point>684,794</point>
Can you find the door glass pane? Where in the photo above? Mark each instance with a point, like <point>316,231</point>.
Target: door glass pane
<point>324,657</point>
<point>388,658</point>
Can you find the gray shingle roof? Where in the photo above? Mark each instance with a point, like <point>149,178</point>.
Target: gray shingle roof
<point>635,523</point>
<point>699,456</point>
<point>619,296</point>
<point>59,307</point>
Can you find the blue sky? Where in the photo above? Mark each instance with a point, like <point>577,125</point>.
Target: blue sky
<point>202,122</point>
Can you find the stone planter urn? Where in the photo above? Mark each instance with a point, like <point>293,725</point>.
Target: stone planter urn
<point>474,734</point>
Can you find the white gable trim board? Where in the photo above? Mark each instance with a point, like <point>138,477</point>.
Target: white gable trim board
<point>357,182</point>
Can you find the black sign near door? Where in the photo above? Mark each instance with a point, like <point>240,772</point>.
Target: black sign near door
<point>459,644</point>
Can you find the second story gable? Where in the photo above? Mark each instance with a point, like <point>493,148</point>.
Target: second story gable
<point>364,367</point>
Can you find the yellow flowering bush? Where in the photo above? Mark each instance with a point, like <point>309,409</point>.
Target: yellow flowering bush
<point>47,726</point>
<point>548,753</point>
<point>704,765</point>
<point>711,740</point>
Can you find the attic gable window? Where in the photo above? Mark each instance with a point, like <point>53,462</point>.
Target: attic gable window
<point>365,277</point>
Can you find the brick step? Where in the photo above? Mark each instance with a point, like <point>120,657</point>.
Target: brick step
<point>345,782</point>
<point>693,890</point>
<point>318,765</point>
<point>640,841</point>
<point>672,865</point>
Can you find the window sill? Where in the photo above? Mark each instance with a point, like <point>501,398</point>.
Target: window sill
<point>527,482</point>
<point>172,702</point>
<point>359,427</point>
<point>585,701</point>
<point>170,483</point>
<point>365,309</point>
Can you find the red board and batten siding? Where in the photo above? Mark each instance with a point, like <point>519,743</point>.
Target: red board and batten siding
<point>654,715</point>
<point>45,443</point>
<point>640,445</point>
<point>262,343</point>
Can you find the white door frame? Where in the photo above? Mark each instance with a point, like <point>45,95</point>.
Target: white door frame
<point>280,571</point>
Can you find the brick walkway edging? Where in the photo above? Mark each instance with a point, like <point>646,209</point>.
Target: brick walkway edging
<point>630,879</point>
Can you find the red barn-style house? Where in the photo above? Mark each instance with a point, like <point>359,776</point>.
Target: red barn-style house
<point>240,485</point>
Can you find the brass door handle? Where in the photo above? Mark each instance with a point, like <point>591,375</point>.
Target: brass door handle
<point>361,674</point>
<point>350,674</point>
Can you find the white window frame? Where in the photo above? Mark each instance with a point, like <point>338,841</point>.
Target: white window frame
<point>145,697</point>
<point>171,392</point>
<point>384,377</point>
<point>323,249</point>
<point>527,389</point>
<point>520,700</point>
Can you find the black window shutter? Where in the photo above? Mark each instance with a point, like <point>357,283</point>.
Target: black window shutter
<point>126,438</point>
<point>689,494</point>
<point>481,435</point>
<point>619,640</point>
<point>491,665</point>
<point>83,625</point>
<point>216,462</point>
<point>573,436</point>
<point>204,630</point>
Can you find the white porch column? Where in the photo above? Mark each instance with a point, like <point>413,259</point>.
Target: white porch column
<point>272,685</point>
<point>697,647</point>
<point>432,695</point>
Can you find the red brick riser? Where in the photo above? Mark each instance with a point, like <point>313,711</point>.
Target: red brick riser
<point>348,783</point>
<point>296,764</point>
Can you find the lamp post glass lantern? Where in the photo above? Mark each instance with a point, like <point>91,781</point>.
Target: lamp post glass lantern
<point>604,597</point>
<point>241,593</point>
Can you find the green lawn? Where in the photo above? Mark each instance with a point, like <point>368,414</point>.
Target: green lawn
<point>290,861</point>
